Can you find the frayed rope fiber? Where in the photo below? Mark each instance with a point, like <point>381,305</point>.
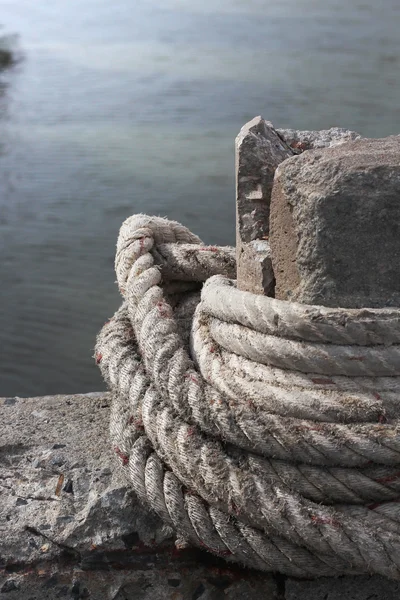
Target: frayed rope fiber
<point>265,431</point>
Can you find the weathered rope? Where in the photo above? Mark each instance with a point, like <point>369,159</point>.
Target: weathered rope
<point>265,431</point>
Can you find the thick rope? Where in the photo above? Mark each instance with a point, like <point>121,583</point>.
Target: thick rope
<point>265,431</point>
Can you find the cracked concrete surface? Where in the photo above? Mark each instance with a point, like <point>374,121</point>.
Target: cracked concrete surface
<point>70,528</point>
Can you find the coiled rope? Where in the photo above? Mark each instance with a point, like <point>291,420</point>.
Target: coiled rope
<point>265,431</point>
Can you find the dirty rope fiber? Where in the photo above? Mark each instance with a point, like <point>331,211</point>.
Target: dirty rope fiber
<point>265,431</point>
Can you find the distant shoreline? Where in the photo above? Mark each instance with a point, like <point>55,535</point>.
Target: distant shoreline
<point>7,55</point>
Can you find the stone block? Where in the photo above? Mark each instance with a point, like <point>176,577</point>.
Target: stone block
<point>259,150</point>
<point>343,588</point>
<point>300,141</point>
<point>335,225</point>
<point>154,580</point>
<point>255,272</point>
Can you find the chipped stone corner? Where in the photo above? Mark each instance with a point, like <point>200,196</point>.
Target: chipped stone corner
<point>258,151</point>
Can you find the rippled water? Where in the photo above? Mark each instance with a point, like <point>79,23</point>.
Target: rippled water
<point>122,106</point>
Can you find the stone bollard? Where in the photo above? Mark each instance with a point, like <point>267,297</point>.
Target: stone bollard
<point>259,149</point>
<point>335,225</point>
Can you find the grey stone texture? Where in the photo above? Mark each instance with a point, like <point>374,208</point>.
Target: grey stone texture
<point>344,588</point>
<point>254,270</point>
<point>299,141</point>
<point>60,488</point>
<point>335,225</point>
<point>259,150</point>
<point>151,579</point>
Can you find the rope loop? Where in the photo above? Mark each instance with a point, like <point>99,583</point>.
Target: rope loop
<point>267,432</point>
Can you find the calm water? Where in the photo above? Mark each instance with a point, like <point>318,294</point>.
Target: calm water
<point>121,107</point>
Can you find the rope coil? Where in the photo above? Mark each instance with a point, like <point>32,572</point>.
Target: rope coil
<point>265,431</point>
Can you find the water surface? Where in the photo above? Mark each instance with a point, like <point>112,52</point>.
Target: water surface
<point>121,107</point>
